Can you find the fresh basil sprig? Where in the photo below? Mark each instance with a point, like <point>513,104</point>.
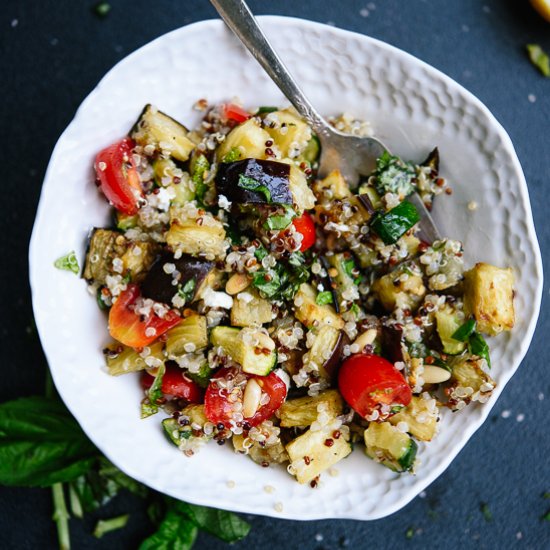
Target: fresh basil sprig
<point>251,184</point>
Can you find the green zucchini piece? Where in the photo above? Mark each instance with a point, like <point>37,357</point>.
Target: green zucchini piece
<point>174,431</point>
<point>389,446</point>
<point>447,325</point>
<point>313,148</point>
<point>345,277</point>
<point>252,348</point>
<point>125,222</point>
<point>163,132</point>
<point>395,223</point>
<point>128,360</point>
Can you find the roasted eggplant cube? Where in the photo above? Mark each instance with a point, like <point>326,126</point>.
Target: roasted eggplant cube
<point>290,133</point>
<point>250,309</point>
<point>308,312</point>
<point>489,296</point>
<point>254,181</point>
<point>420,415</point>
<point>403,288</point>
<point>326,351</point>
<point>333,186</point>
<point>248,138</point>
<point>260,453</point>
<point>389,446</point>
<point>188,272</point>
<point>252,348</point>
<point>197,233</point>
<point>103,247</point>
<point>163,132</point>
<point>311,453</point>
<point>138,259</point>
<point>469,381</point>
<point>303,411</point>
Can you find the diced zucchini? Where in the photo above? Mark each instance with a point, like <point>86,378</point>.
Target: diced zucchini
<point>103,247</point>
<point>372,194</point>
<point>249,138</point>
<point>335,184</point>
<point>422,420</point>
<point>403,288</point>
<point>345,276</point>
<point>447,324</point>
<point>167,174</point>
<point>444,264</point>
<point>261,454</point>
<point>252,348</point>
<point>129,360</point>
<point>163,132</point>
<point>467,372</point>
<point>303,411</point>
<point>389,446</point>
<point>489,296</point>
<point>310,455</point>
<point>312,314</point>
<point>325,351</point>
<point>295,136</point>
<point>196,232</point>
<point>182,436</point>
<point>250,310</point>
<point>125,221</point>
<point>190,332</point>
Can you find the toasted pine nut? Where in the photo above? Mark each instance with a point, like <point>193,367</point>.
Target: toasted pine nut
<point>251,398</point>
<point>366,338</point>
<point>237,283</point>
<point>435,375</point>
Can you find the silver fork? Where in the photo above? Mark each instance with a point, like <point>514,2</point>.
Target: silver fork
<point>354,156</point>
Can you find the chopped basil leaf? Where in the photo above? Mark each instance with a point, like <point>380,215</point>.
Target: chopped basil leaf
<point>282,281</point>
<point>253,185</point>
<point>187,291</point>
<point>260,253</point>
<point>233,155</point>
<point>478,346</point>
<point>267,282</point>
<point>200,166</point>
<point>395,223</point>
<point>279,222</point>
<point>266,109</point>
<point>463,333</point>
<point>149,405</point>
<point>324,298</point>
<point>392,175</point>
<point>68,263</point>
<point>105,526</point>
<point>355,310</point>
<point>539,58</point>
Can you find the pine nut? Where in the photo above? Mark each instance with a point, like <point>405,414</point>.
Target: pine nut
<point>251,398</point>
<point>237,283</point>
<point>435,375</point>
<point>366,338</point>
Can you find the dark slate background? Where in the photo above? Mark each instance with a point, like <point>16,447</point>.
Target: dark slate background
<point>54,52</point>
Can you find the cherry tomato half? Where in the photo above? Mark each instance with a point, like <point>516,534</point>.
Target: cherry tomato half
<point>234,113</point>
<point>118,176</point>
<point>132,329</point>
<point>305,225</point>
<point>368,381</point>
<point>218,408</point>
<point>175,383</point>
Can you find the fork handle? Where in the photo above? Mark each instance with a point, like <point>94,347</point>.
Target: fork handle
<point>239,19</point>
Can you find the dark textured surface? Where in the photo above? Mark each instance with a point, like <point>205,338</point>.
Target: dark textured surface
<point>53,53</point>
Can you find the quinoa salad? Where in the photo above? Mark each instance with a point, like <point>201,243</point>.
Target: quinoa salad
<point>288,315</point>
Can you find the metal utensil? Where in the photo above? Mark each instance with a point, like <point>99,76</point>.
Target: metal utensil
<point>352,155</point>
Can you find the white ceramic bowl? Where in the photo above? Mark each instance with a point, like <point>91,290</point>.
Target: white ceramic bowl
<point>412,107</point>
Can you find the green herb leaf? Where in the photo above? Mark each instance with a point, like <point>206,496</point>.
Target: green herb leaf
<point>202,378</point>
<point>260,253</point>
<point>546,516</point>
<point>409,533</point>
<point>41,444</point>
<point>225,525</point>
<point>150,405</point>
<point>392,175</point>
<point>200,166</point>
<point>484,507</point>
<point>539,58</point>
<point>105,526</point>
<point>478,346</point>
<point>68,263</point>
<point>233,155</point>
<point>188,290</point>
<point>395,223</point>
<point>355,310</point>
<point>107,470</point>
<point>101,9</point>
<point>253,185</point>
<point>175,532</point>
<point>464,331</point>
<point>324,298</point>
<point>266,109</point>
<point>267,282</point>
<point>277,222</point>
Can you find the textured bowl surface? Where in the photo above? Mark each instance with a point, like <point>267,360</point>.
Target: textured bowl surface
<point>412,107</point>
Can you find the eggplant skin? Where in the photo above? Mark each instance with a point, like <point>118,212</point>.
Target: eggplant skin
<point>275,176</point>
<point>158,286</point>
<point>332,364</point>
